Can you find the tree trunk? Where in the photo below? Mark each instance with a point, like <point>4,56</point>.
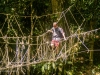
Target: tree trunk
<point>54,5</point>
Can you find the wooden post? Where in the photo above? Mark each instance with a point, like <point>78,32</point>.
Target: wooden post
<point>91,53</point>
<point>30,41</point>
<point>28,56</point>
<point>91,45</point>
<point>37,39</point>
<point>32,26</point>
<point>7,44</point>
<point>6,48</point>
<point>17,58</point>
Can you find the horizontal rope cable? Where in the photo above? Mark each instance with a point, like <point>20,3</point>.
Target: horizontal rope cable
<point>73,35</point>
<point>32,16</point>
<point>49,60</point>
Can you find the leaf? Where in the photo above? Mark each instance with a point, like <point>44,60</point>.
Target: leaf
<point>99,65</point>
<point>33,65</point>
<point>69,62</point>
<point>53,65</point>
<point>43,69</point>
<point>60,69</point>
<point>60,64</point>
<point>48,67</point>
<point>65,72</point>
<point>69,73</point>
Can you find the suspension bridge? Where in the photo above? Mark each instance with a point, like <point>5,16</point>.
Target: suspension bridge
<point>19,51</point>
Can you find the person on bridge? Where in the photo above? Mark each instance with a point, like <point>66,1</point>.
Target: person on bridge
<point>57,35</point>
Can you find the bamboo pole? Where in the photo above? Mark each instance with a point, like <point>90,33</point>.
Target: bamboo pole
<point>92,45</point>
<point>6,47</point>
<point>17,59</point>
<point>30,40</point>
<point>28,57</point>
<point>37,39</point>
<point>7,44</point>
<point>7,56</point>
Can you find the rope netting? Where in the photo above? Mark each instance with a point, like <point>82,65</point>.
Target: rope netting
<point>18,50</point>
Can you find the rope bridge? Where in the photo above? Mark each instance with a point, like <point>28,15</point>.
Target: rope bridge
<point>18,51</point>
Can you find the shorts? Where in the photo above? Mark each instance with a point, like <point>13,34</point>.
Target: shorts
<point>55,42</point>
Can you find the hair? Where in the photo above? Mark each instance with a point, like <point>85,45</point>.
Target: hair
<point>55,23</point>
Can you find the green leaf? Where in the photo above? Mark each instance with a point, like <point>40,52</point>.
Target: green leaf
<point>60,64</point>
<point>60,69</point>
<point>48,67</point>
<point>53,65</point>
<point>69,73</point>
<point>69,62</point>
<point>65,72</point>
<point>43,69</point>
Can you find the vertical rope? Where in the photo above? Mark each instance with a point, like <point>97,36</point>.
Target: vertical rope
<point>19,26</point>
<point>67,24</point>
<point>28,53</point>
<point>17,51</point>
<point>3,25</point>
<point>37,39</point>
<point>6,48</point>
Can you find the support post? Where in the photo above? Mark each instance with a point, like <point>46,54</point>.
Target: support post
<point>30,40</point>
<point>91,44</point>
<point>6,46</point>
<point>28,56</point>
<point>17,58</point>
